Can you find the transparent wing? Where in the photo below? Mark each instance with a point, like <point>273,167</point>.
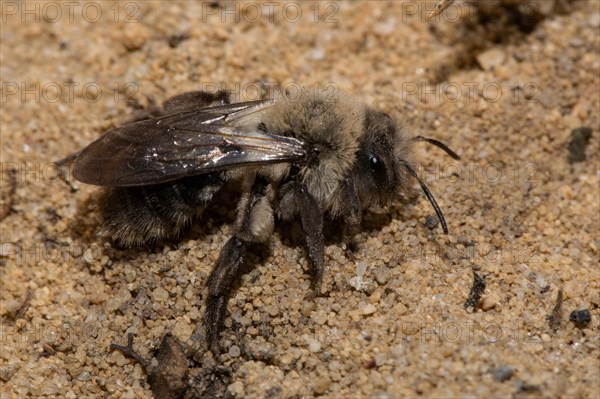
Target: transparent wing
<point>183,144</point>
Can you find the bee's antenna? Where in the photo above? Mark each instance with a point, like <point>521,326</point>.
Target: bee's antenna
<point>437,143</point>
<point>430,197</point>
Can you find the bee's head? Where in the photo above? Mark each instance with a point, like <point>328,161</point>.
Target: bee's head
<point>380,163</point>
<point>384,162</point>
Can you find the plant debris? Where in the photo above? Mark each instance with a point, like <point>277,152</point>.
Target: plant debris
<point>580,139</point>
<point>439,8</point>
<point>477,289</point>
<point>555,318</point>
<point>7,195</point>
<point>128,351</point>
<point>168,377</point>
<point>20,311</point>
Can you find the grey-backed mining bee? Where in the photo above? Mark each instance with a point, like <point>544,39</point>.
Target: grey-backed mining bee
<point>315,155</point>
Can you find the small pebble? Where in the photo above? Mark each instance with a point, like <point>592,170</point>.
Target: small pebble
<point>359,284</point>
<point>273,392</point>
<point>307,308</point>
<point>85,376</point>
<point>7,372</point>
<point>321,385</point>
<point>489,302</point>
<point>431,222</point>
<point>234,351</point>
<point>134,37</point>
<point>118,358</point>
<point>317,54</point>
<point>503,373</point>
<point>400,309</point>
<point>89,257</point>
<point>272,310</point>
<point>236,389</point>
<point>160,295</point>
<point>361,268</point>
<point>314,346</point>
<point>381,274</point>
<point>581,318</point>
<point>369,309</point>
<point>130,275</point>
<point>491,58</point>
<point>77,251</point>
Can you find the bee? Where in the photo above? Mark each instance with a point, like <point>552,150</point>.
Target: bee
<point>310,157</point>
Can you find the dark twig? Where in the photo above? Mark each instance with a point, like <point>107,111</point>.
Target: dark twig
<point>20,311</point>
<point>129,352</point>
<point>555,318</point>
<point>439,7</point>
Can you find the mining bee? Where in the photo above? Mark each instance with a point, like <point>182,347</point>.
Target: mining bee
<point>309,157</point>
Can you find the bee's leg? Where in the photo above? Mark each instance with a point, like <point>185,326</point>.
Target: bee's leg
<point>254,224</point>
<point>352,218</point>
<point>296,198</point>
<point>349,244</point>
<point>220,284</point>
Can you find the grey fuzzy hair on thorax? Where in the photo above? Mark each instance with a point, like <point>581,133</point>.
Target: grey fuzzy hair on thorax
<point>330,122</point>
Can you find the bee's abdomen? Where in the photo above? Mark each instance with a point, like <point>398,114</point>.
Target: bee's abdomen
<point>142,215</point>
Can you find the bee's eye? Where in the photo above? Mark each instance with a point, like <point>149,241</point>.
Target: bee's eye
<point>377,168</point>
<point>375,162</point>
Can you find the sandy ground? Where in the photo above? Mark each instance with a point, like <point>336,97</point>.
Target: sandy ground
<point>505,90</point>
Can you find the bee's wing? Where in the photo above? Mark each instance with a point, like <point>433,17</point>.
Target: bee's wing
<point>184,144</point>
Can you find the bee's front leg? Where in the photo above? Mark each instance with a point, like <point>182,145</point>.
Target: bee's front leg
<point>352,217</point>
<point>254,224</point>
<point>295,199</point>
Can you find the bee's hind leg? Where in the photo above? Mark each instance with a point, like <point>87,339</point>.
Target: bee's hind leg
<point>220,283</point>
<point>254,224</point>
